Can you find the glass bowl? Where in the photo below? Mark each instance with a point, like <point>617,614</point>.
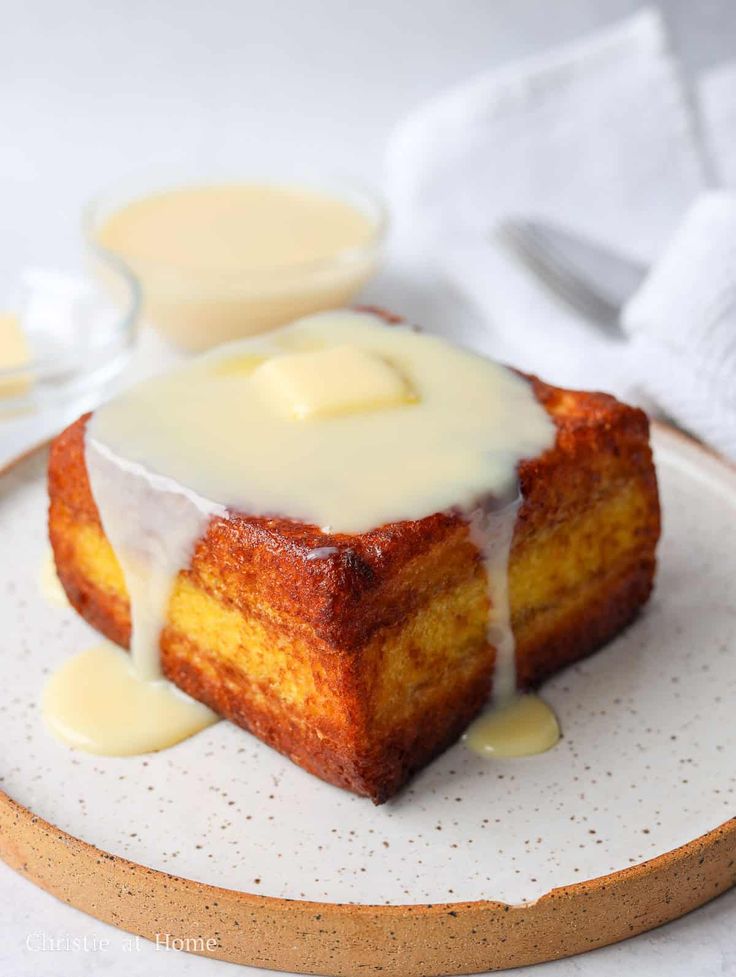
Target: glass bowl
<point>196,308</point>
<point>79,336</point>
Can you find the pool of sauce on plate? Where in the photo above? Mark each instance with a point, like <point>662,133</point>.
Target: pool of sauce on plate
<point>420,426</point>
<point>141,716</point>
<point>520,726</point>
<point>97,702</point>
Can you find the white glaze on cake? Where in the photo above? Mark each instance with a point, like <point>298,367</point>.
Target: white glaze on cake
<point>430,428</point>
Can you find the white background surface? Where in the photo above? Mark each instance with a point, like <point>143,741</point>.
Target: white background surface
<point>90,91</point>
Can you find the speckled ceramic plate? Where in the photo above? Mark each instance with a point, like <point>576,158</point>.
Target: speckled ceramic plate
<point>477,865</point>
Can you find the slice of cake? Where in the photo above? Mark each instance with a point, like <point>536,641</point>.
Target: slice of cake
<point>362,655</point>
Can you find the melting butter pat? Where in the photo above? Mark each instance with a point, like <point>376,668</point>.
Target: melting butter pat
<point>336,380</point>
<point>238,365</point>
<point>14,352</point>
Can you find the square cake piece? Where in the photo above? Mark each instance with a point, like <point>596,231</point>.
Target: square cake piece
<point>361,657</point>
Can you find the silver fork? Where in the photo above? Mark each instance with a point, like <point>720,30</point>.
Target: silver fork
<point>586,276</point>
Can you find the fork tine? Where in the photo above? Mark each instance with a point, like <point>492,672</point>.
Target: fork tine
<point>537,253</point>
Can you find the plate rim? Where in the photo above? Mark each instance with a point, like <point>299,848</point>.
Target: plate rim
<point>340,938</point>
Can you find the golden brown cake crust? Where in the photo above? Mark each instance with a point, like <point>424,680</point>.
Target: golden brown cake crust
<point>334,613</point>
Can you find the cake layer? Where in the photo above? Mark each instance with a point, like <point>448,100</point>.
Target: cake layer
<point>365,662</point>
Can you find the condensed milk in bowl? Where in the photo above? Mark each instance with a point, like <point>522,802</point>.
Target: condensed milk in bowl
<point>222,259</point>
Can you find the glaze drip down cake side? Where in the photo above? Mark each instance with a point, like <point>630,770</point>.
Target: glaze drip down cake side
<point>359,649</point>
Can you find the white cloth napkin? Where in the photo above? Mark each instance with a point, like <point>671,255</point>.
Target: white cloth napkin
<point>717,101</point>
<point>682,323</point>
<point>598,137</point>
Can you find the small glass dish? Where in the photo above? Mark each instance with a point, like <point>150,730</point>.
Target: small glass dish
<point>77,336</point>
<point>199,308</point>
